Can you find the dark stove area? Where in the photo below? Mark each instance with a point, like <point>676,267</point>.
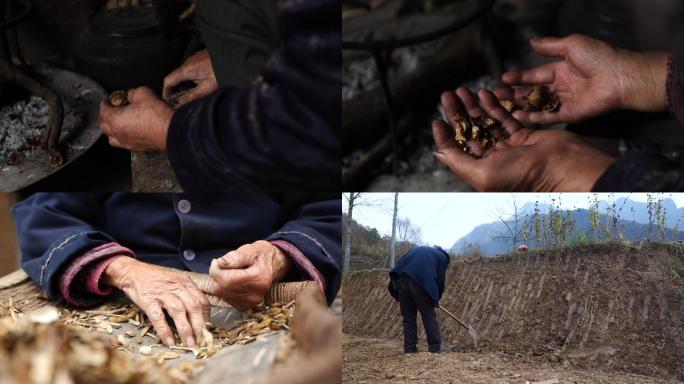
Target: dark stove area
<point>71,55</point>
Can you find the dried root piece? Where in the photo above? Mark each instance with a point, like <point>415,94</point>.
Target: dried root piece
<point>207,341</point>
<point>540,99</point>
<point>475,129</point>
<point>125,317</point>
<point>508,105</point>
<point>119,98</point>
<point>462,130</point>
<point>142,333</point>
<point>262,320</point>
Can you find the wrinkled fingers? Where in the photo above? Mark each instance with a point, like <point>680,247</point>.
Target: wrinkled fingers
<point>176,308</point>
<point>497,112</point>
<point>197,307</point>
<point>155,313</point>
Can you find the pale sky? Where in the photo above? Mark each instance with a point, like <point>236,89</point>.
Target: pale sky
<point>446,217</point>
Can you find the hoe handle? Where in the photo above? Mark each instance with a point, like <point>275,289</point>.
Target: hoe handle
<point>454,317</point>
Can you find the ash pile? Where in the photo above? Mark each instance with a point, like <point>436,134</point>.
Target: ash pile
<point>21,125</point>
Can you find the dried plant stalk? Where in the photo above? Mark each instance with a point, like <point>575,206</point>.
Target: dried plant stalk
<point>110,358</point>
<point>38,348</point>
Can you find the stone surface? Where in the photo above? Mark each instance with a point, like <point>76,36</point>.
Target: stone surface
<point>152,172</point>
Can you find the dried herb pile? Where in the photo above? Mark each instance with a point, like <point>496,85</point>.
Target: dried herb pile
<point>475,129</point>
<point>38,348</point>
<point>481,129</point>
<point>56,341</point>
<point>108,318</point>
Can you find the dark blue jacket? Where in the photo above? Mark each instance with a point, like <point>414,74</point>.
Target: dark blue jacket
<point>280,134</point>
<point>426,266</point>
<point>55,228</point>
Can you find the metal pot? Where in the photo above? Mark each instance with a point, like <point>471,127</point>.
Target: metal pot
<point>129,47</point>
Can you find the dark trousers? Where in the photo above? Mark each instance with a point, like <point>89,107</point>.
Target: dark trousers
<point>240,36</point>
<point>413,299</point>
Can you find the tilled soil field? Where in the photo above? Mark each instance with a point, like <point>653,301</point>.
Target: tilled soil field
<point>390,365</point>
<point>608,308</point>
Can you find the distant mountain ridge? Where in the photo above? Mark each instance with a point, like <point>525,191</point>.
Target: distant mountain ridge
<point>633,223</point>
<point>638,211</point>
<point>629,210</point>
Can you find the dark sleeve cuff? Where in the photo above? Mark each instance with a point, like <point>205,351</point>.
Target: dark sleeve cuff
<point>79,284</point>
<point>195,151</point>
<point>304,266</point>
<point>675,87</point>
<point>641,172</point>
<point>307,241</point>
<point>60,255</point>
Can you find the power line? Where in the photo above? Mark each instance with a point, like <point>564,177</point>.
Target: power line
<point>437,213</point>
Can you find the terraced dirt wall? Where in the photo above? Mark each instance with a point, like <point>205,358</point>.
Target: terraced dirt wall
<point>609,306</point>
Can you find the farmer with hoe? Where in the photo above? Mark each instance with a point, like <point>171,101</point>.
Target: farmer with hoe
<point>417,282</point>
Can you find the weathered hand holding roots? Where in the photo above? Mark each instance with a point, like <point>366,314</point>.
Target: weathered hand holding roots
<point>261,320</point>
<point>481,128</point>
<point>475,129</point>
<point>35,342</point>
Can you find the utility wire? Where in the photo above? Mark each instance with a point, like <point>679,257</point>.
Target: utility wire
<point>438,212</point>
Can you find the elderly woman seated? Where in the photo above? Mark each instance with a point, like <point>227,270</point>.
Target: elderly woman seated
<point>81,248</point>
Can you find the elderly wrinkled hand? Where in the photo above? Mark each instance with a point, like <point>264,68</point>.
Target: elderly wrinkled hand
<point>244,276</point>
<point>140,126</point>
<point>154,289</point>
<point>523,160</point>
<point>196,69</point>
<point>590,79</point>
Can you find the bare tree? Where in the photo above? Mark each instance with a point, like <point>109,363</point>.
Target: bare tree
<point>356,200</point>
<point>393,242</point>
<point>408,235</point>
<point>515,223</point>
<point>402,230</point>
<point>408,232</point>
<point>352,199</point>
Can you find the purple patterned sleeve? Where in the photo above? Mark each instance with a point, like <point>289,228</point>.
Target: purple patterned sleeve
<point>675,91</point>
<point>80,283</point>
<point>305,266</point>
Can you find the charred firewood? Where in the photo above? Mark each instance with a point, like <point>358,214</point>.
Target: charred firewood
<point>56,159</point>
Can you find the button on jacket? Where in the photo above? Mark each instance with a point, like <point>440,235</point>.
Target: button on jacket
<point>174,230</point>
